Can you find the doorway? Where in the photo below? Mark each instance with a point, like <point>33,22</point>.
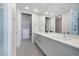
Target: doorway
<point>27,48</point>
<point>26,26</point>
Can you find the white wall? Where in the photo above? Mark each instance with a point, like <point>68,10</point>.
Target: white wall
<point>38,23</point>
<point>9,29</point>
<point>42,23</point>
<point>35,22</point>
<point>13,41</point>
<point>18,26</point>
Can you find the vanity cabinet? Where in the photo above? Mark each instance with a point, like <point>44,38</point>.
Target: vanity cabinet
<point>54,48</point>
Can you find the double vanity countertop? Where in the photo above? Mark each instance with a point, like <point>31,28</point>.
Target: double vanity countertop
<point>63,38</point>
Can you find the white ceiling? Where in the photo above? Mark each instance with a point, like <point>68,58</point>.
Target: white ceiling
<point>56,8</point>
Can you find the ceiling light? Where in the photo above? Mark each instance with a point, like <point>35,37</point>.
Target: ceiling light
<point>35,10</point>
<point>51,14</point>
<point>26,7</point>
<point>46,12</point>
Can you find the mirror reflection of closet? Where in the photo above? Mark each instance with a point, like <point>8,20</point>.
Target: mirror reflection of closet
<point>48,24</point>
<point>58,24</point>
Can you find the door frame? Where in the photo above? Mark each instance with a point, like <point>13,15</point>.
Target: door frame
<point>18,39</point>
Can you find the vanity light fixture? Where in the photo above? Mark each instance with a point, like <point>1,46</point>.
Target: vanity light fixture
<point>35,10</point>
<point>27,8</point>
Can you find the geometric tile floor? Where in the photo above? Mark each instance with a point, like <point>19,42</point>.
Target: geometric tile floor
<point>27,48</point>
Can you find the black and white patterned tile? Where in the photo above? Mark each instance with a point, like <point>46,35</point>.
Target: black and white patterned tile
<point>27,48</point>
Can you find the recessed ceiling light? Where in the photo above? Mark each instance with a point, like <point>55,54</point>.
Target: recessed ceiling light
<point>46,12</point>
<point>35,10</point>
<point>51,14</point>
<point>26,7</point>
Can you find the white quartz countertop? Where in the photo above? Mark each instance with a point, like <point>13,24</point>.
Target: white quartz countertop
<point>69,40</point>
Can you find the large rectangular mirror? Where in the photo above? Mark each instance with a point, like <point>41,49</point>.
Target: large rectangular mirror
<point>67,22</point>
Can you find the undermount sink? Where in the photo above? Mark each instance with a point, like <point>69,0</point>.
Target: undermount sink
<point>76,41</point>
<point>72,40</point>
<point>58,36</point>
<point>66,38</point>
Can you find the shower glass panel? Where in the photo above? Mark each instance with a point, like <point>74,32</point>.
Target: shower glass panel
<point>1,31</point>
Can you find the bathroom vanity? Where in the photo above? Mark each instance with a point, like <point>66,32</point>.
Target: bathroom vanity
<point>56,44</point>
